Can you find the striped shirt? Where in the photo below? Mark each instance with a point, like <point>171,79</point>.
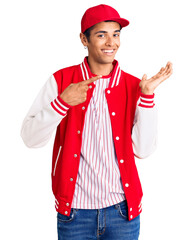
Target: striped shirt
<point>98,182</point>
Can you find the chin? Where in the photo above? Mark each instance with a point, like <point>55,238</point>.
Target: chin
<point>107,60</point>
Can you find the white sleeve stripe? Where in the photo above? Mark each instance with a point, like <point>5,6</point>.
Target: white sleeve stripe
<point>147,99</point>
<point>147,104</point>
<point>59,103</point>
<point>59,109</point>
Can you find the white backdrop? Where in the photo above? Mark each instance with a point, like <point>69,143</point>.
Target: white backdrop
<point>40,37</point>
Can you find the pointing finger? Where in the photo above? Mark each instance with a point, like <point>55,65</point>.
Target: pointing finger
<point>93,79</point>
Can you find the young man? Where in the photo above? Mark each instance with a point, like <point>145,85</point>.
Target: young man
<point>104,116</point>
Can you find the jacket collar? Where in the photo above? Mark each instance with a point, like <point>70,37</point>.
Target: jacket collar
<point>115,77</point>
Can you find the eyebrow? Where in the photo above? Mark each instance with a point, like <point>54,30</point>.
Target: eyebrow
<point>106,31</point>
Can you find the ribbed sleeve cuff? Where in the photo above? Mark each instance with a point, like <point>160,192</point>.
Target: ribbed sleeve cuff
<point>147,101</point>
<point>60,106</point>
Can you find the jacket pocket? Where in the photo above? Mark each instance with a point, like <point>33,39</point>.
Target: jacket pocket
<point>56,162</point>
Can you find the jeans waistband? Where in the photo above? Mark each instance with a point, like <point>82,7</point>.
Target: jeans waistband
<point>123,203</point>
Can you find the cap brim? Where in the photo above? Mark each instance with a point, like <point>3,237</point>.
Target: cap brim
<point>123,22</point>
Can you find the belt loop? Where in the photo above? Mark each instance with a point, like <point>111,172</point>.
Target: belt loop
<point>116,205</point>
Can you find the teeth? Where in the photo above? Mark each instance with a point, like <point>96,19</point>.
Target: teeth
<point>108,51</point>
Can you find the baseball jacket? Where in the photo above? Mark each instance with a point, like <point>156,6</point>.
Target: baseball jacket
<point>133,127</point>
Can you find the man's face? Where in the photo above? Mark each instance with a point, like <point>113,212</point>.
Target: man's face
<point>104,42</point>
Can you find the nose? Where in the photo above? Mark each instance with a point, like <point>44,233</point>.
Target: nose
<point>109,42</point>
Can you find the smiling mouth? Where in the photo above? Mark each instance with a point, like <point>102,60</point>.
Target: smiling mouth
<point>108,51</point>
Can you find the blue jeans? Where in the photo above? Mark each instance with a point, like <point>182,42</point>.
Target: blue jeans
<point>98,224</point>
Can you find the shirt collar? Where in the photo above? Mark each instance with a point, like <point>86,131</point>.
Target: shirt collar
<point>115,74</point>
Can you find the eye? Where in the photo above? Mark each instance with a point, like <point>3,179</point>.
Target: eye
<point>116,35</point>
<point>101,35</point>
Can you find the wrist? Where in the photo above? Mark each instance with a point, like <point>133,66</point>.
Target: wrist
<point>63,101</point>
<point>146,92</point>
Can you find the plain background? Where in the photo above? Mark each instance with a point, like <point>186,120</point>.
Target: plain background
<point>40,37</point>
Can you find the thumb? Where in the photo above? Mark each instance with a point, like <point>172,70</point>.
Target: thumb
<point>144,77</point>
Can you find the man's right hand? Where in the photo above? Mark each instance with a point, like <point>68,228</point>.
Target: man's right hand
<point>76,93</point>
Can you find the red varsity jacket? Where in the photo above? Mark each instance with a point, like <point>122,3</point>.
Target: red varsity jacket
<point>122,96</point>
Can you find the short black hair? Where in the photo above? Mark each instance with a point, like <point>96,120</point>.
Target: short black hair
<point>87,32</point>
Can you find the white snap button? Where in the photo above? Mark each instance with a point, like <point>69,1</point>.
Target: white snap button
<point>108,91</point>
<point>71,179</point>
<point>121,161</point>
<point>117,138</point>
<point>126,184</point>
<point>75,155</point>
<point>67,204</point>
<point>113,113</point>
<point>78,131</point>
<point>131,209</point>
<point>66,212</point>
<point>83,108</point>
<point>90,86</point>
<point>131,216</point>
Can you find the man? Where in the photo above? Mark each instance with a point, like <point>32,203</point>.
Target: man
<point>104,116</point>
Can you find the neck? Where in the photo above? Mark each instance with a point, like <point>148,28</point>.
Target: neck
<point>100,68</point>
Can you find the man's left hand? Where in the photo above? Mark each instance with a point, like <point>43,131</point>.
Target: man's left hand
<point>149,85</point>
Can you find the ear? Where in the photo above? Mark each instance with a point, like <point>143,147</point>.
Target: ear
<point>83,39</point>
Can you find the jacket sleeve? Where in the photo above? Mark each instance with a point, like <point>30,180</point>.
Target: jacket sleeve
<point>144,132</point>
<point>45,114</point>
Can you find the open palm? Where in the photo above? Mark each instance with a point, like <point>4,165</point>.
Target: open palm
<point>149,85</point>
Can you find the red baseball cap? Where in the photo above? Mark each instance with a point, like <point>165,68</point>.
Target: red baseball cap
<point>101,13</point>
